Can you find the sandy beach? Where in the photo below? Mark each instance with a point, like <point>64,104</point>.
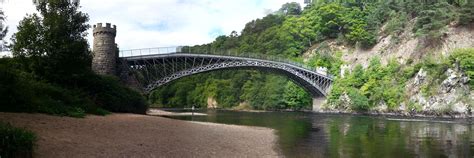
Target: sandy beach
<point>129,135</point>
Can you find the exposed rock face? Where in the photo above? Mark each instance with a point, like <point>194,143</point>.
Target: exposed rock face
<point>381,107</point>
<point>344,105</point>
<point>402,47</point>
<point>452,96</point>
<point>454,78</point>
<point>344,69</point>
<point>346,102</point>
<point>317,103</point>
<point>211,103</point>
<point>420,77</point>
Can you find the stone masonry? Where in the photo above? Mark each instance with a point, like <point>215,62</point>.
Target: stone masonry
<point>105,54</point>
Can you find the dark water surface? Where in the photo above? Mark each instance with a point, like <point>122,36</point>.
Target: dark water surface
<point>323,135</point>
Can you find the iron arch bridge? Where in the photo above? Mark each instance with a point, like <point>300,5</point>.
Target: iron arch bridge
<point>155,67</point>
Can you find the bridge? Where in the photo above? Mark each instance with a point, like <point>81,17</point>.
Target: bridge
<point>154,67</point>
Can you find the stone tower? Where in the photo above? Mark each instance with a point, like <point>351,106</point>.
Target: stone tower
<point>104,50</point>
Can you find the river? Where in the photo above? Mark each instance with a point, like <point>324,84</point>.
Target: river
<point>330,135</point>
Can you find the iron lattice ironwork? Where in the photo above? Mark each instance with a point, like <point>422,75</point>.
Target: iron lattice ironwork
<point>154,70</point>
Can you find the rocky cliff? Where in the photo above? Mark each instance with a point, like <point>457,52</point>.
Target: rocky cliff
<point>449,95</point>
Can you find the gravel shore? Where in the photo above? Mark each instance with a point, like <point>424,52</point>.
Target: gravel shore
<point>129,135</point>
<point>158,112</point>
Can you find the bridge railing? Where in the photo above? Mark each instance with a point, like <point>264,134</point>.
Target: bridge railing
<point>149,51</point>
<point>180,49</point>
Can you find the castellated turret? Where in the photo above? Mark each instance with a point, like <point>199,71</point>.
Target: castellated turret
<point>104,50</point>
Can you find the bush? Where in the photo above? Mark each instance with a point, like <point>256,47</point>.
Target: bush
<point>359,101</point>
<point>396,24</point>
<point>465,59</point>
<point>16,142</point>
<point>328,60</point>
<point>22,92</point>
<point>409,72</point>
<point>108,93</point>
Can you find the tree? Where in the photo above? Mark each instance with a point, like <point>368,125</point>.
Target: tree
<point>53,44</point>
<point>331,19</point>
<point>292,8</point>
<point>3,30</point>
<point>359,102</point>
<point>467,14</point>
<point>295,97</point>
<point>432,22</point>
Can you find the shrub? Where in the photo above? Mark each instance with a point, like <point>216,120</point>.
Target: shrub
<point>397,23</point>
<point>409,72</point>
<point>108,93</point>
<point>16,142</point>
<point>465,59</point>
<point>414,107</point>
<point>359,101</point>
<point>22,92</point>
<point>336,91</point>
<point>331,61</point>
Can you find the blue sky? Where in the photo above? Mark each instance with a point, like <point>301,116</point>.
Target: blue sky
<point>158,23</point>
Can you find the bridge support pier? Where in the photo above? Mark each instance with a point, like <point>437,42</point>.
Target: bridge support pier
<point>318,103</point>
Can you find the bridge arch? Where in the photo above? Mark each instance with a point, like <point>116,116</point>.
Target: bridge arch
<point>160,69</point>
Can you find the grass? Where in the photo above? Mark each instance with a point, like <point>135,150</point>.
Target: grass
<point>16,142</point>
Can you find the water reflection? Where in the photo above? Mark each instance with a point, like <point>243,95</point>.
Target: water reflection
<point>316,135</point>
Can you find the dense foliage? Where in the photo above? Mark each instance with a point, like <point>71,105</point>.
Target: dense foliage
<point>16,142</point>
<point>53,42</point>
<point>290,32</point>
<point>50,71</point>
<point>3,30</point>
<point>369,87</point>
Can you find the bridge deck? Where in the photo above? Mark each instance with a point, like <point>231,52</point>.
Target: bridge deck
<point>160,66</point>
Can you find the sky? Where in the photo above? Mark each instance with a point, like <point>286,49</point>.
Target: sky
<point>161,23</point>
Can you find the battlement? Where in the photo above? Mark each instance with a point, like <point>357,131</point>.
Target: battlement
<point>107,29</point>
<point>105,49</point>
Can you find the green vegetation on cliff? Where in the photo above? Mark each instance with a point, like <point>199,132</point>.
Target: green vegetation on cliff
<point>380,84</point>
<point>465,59</point>
<point>290,32</point>
<point>366,88</point>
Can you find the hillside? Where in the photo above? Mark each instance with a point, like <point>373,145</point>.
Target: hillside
<point>404,47</point>
<point>449,92</point>
<point>383,48</point>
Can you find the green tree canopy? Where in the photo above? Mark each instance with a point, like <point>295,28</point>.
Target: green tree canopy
<point>3,30</point>
<point>54,41</point>
<point>292,8</point>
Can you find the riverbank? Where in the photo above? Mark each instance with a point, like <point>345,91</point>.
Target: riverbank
<point>414,115</point>
<point>159,112</point>
<point>406,115</point>
<point>129,135</point>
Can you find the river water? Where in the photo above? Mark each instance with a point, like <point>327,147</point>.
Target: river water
<point>323,135</point>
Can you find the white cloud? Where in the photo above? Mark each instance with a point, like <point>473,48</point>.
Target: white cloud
<point>157,23</point>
